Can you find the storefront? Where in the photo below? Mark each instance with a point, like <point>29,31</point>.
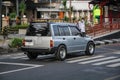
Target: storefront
<point>109,10</point>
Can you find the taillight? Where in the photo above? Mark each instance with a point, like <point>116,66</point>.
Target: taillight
<point>51,43</point>
<point>23,42</point>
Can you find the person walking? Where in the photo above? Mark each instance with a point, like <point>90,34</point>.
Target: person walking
<point>81,25</point>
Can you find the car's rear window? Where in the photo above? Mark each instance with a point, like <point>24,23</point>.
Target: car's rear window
<point>41,29</point>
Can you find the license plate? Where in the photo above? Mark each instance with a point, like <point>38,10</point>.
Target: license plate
<point>29,43</point>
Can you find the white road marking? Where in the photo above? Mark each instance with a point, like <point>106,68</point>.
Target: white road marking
<point>106,62</point>
<point>17,57</point>
<point>20,64</point>
<point>24,58</point>
<point>117,52</point>
<point>10,56</point>
<point>102,59</point>
<point>78,60</point>
<point>113,78</point>
<point>6,72</point>
<point>30,66</point>
<point>114,65</point>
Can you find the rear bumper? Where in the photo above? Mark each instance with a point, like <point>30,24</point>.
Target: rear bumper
<point>38,50</point>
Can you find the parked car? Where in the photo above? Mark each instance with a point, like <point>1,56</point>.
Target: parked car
<point>56,38</point>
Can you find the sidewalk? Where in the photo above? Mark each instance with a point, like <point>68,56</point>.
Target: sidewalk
<point>4,48</point>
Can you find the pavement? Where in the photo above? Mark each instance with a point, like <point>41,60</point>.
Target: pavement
<point>4,48</point>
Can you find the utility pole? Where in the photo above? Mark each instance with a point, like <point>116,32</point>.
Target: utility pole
<point>17,8</point>
<point>0,15</point>
<point>50,9</point>
<point>70,11</point>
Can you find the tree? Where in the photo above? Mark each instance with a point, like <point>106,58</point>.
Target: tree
<point>65,9</point>
<point>64,4</point>
<point>22,7</point>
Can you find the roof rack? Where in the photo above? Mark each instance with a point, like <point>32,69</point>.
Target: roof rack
<point>49,20</point>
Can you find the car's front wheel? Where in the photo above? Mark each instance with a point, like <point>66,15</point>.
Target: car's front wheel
<point>61,53</point>
<point>31,55</point>
<point>90,49</point>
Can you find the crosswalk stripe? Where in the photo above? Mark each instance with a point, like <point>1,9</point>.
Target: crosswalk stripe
<point>117,52</point>
<point>17,57</point>
<point>102,59</point>
<point>106,62</point>
<point>114,65</point>
<point>20,64</point>
<point>78,60</point>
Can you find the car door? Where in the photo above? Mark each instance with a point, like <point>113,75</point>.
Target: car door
<point>62,36</point>
<point>65,34</point>
<point>77,39</point>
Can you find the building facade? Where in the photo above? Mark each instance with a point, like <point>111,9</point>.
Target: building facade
<point>48,9</point>
<point>53,9</point>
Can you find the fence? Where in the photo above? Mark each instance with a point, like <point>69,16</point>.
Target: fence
<point>101,29</point>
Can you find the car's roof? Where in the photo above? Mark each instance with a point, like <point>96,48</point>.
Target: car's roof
<point>58,23</point>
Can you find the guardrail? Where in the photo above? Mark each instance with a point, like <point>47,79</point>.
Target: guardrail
<point>102,28</point>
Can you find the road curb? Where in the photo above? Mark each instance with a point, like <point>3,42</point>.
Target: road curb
<point>105,42</point>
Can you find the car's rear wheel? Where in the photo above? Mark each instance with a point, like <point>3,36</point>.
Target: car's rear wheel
<point>61,53</point>
<point>31,55</point>
<point>90,49</point>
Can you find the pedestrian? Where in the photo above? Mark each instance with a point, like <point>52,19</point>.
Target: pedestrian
<point>82,27</point>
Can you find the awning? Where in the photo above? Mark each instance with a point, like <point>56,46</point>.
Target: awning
<point>108,2</point>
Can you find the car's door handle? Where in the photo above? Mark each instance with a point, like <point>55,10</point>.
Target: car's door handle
<point>63,38</point>
<point>74,38</point>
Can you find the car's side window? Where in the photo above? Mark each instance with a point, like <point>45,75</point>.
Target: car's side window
<point>64,31</point>
<point>67,32</point>
<point>74,30</point>
<point>56,30</point>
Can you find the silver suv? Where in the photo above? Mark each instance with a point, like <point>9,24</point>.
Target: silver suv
<point>55,38</point>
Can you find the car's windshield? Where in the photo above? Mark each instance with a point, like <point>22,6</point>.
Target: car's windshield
<point>38,29</point>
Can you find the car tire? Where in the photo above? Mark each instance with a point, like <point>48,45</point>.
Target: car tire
<point>90,49</point>
<point>61,53</point>
<point>31,55</point>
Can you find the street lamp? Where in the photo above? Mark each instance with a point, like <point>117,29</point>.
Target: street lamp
<point>6,4</point>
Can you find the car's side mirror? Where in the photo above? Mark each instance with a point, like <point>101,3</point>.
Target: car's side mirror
<point>79,33</point>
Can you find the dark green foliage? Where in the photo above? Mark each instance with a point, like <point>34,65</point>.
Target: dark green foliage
<point>15,43</point>
<point>64,3</point>
<point>66,18</point>
<point>17,27</point>
<point>12,15</point>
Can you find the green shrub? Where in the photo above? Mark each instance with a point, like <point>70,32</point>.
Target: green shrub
<point>15,43</point>
<point>12,15</point>
<point>17,27</point>
<point>23,26</point>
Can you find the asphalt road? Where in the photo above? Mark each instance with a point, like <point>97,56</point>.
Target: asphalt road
<point>103,65</point>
